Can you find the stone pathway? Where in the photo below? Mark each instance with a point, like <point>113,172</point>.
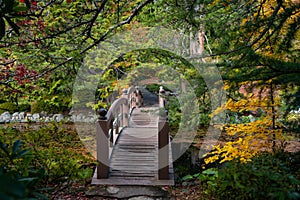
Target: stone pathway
<point>127,193</point>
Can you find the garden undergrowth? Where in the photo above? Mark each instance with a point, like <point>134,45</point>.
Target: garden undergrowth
<point>46,159</point>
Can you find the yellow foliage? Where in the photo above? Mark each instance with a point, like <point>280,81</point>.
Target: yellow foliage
<point>248,139</point>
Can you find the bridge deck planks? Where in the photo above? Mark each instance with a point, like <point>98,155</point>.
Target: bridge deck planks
<point>134,159</point>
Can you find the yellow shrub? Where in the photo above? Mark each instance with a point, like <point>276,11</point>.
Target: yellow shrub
<point>248,139</point>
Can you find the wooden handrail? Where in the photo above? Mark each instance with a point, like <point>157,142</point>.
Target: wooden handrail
<point>110,122</point>
<point>163,138</point>
<point>114,108</point>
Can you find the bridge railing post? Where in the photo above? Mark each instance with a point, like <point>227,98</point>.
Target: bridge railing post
<point>102,128</point>
<point>161,99</point>
<point>139,97</point>
<point>125,109</point>
<point>163,139</point>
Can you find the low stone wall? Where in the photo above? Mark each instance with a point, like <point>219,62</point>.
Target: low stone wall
<point>7,117</point>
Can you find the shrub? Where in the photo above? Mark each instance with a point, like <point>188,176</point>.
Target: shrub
<point>292,121</point>
<point>154,88</point>
<point>266,177</point>
<point>54,149</point>
<point>40,106</point>
<point>18,179</point>
<point>8,106</point>
<point>24,108</point>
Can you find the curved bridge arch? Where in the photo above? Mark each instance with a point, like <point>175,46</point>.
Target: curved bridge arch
<point>110,50</point>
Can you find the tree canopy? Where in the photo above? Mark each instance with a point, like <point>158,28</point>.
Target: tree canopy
<point>253,40</point>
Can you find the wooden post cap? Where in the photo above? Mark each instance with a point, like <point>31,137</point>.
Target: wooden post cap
<point>161,89</point>
<point>102,113</point>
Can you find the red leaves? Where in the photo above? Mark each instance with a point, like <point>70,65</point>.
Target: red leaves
<point>34,3</point>
<point>19,73</point>
<point>23,75</point>
<point>29,4</point>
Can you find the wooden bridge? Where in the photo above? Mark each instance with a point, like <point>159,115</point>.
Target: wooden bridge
<point>133,144</point>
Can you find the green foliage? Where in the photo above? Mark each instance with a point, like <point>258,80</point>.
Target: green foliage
<point>204,118</point>
<point>39,106</point>
<point>292,121</point>
<point>252,40</point>
<point>56,150</point>
<point>48,106</point>
<point>174,112</point>
<point>11,107</point>
<point>53,39</point>
<point>207,180</point>
<point>209,175</point>
<point>154,88</point>
<point>9,8</point>
<point>18,179</point>
<point>265,177</point>
<point>8,106</point>
<point>24,107</point>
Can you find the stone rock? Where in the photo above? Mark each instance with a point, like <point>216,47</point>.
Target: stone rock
<point>184,183</point>
<point>185,191</point>
<point>29,117</point>
<point>127,192</point>
<point>141,198</point>
<point>16,114</point>
<point>43,114</point>
<point>6,117</point>
<point>79,118</point>
<point>72,118</point>
<point>15,117</point>
<point>36,117</point>
<point>47,119</point>
<point>22,115</point>
<point>112,190</point>
<point>42,119</point>
<point>58,117</point>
